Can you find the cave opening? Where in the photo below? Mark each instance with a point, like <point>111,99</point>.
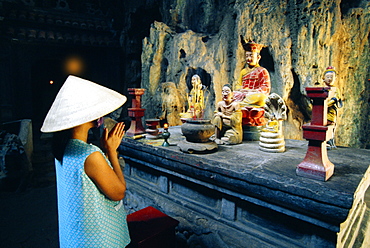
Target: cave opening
<point>301,101</point>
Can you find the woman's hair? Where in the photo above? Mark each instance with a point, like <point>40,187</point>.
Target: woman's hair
<point>60,140</point>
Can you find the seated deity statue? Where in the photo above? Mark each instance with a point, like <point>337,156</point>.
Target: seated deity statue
<point>253,85</point>
<point>195,99</point>
<point>334,102</point>
<point>228,119</point>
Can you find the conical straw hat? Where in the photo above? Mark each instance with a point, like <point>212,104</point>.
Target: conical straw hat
<point>80,101</point>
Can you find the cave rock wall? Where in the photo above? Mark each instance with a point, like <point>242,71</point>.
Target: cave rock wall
<point>303,37</point>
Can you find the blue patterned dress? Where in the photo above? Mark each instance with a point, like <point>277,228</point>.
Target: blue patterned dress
<point>86,217</point>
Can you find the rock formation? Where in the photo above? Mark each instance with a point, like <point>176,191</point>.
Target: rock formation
<point>303,37</point>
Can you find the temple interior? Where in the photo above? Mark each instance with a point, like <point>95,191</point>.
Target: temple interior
<point>231,192</point>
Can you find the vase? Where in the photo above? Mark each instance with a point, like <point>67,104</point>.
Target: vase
<point>197,130</point>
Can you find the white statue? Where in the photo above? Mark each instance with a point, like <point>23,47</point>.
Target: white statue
<point>272,139</point>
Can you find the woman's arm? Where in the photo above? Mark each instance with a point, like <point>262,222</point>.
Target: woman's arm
<point>110,181</point>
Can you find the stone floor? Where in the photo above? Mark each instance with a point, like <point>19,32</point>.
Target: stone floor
<point>28,217</point>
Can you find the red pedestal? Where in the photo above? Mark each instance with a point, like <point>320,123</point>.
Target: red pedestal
<point>152,128</point>
<point>316,164</point>
<point>150,228</point>
<point>253,116</point>
<point>136,113</point>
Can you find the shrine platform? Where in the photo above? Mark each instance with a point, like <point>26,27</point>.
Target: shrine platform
<point>240,196</point>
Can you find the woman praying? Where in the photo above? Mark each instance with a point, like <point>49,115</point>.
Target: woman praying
<point>90,183</point>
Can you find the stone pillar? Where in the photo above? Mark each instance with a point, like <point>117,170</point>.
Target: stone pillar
<point>136,112</point>
<point>316,164</point>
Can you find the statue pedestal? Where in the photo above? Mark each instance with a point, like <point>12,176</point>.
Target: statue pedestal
<point>316,164</point>
<point>136,113</point>
<point>252,121</point>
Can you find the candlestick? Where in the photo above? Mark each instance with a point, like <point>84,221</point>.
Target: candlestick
<point>165,135</point>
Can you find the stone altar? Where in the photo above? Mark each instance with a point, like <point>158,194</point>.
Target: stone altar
<point>241,197</point>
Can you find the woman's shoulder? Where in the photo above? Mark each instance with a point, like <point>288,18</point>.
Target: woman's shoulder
<point>82,146</point>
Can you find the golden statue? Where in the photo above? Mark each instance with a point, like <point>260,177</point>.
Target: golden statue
<point>334,102</point>
<point>196,102</point>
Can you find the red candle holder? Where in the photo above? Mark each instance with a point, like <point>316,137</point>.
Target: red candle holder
<point>316,164</point>
<point>136,113</point>
<point>152,130</point>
